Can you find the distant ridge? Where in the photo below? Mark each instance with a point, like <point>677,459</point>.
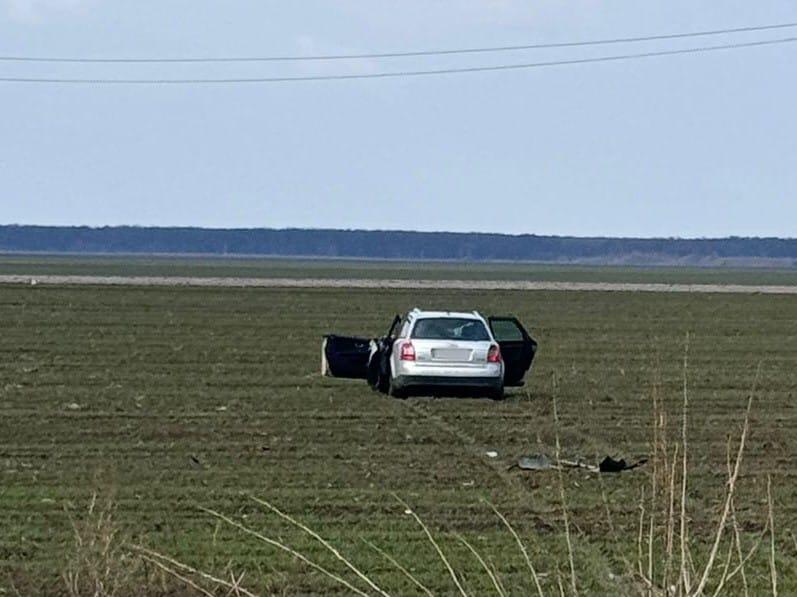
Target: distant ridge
<point>399,245</point>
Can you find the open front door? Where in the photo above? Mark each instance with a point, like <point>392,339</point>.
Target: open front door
<point>344,356</point>
<point>358,358</point>
<point>517,348</point>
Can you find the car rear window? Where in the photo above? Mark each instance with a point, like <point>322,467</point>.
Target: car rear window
<point>450,328</point>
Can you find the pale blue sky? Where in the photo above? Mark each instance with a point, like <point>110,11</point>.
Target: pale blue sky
<point>701,145</point>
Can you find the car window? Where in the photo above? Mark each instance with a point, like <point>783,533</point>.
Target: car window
<point>506,330</point>
<point>450,328</point>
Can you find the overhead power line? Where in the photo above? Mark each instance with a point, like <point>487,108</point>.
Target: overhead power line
<point>573,44</point>
<point>397,74</point>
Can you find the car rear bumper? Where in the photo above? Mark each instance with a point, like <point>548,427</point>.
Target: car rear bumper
<point>447,381</point>
<point>444,369</point>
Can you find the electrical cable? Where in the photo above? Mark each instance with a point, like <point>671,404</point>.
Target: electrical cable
<point>398,74</point>
<point>515,48</point>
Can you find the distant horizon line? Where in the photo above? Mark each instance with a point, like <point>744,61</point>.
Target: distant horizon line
<point>395,231</point>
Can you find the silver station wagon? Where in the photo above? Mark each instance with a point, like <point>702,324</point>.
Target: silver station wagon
<point>437,352</point>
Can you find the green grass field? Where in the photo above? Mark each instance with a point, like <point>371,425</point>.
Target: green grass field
<point>170,399</point>
<point>332,268</point>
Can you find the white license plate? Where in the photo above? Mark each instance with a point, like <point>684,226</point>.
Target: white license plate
<point>451,354</point>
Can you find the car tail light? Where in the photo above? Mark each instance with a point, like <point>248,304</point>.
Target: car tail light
<point>494,354</point>
<point>407,352</point>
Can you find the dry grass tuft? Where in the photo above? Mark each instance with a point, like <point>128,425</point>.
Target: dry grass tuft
<point>99,564</point>
<point>562,496</point>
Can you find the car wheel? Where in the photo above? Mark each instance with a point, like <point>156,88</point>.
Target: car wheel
<point>383,385</point>
<point>497,393</point>
<point>396,392</point>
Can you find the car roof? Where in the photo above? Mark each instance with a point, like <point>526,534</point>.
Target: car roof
<point>418,314</point>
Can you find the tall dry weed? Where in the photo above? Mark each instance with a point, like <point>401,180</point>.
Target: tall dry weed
<point>99,565</point>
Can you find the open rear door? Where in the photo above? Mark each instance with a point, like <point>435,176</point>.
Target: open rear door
<point>344,356</point>
<point>517,348</point>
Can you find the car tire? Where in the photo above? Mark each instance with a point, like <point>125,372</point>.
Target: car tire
<point>383,385</point>
<point>396,392</point>
<point>377,380</point>
<point>497,394</point>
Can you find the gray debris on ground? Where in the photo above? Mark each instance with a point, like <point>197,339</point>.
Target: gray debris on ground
<point>542,462</point>
<point>536,462</point>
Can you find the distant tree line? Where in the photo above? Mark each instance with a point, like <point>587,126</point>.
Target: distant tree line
<point>385,244</point>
